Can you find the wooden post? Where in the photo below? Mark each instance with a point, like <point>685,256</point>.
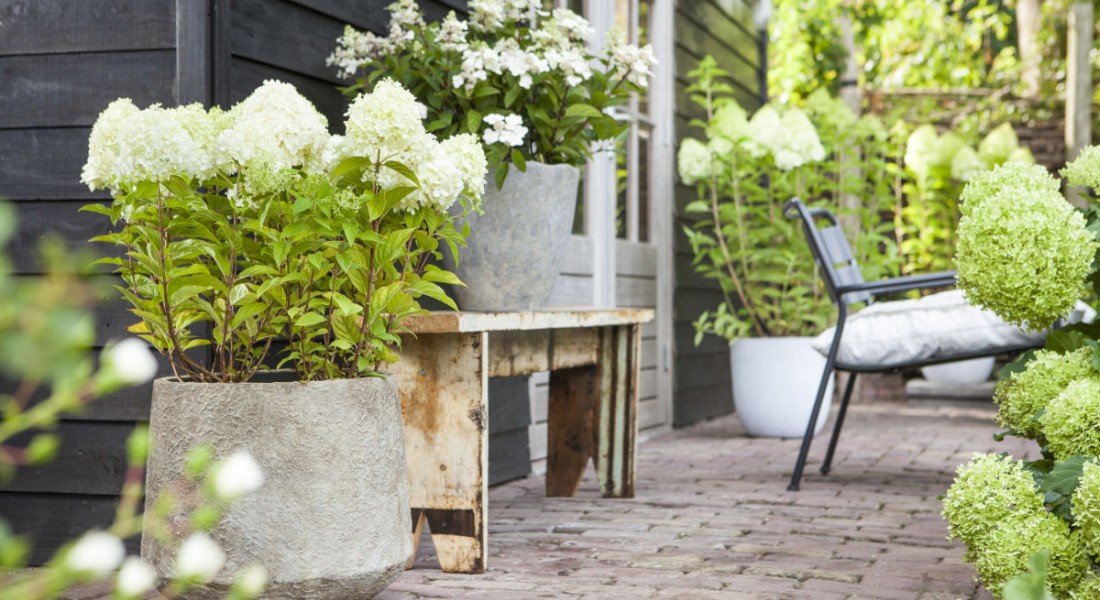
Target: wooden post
<point>852,97</point>
<point>1078,86</point>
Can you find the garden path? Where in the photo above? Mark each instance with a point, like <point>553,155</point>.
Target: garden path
<point>712,520</point>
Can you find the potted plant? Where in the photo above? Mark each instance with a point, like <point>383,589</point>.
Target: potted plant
<point>256,238</point>
<point>525,83</point>
<point>744,170</point>
<point>1026,254</point>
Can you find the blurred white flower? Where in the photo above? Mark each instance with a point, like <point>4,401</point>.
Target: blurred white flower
<point>508,130</point>
<point>405,13</point>
<point>629,61</point>
<point>130,361</point>
<point>200,557</point>
<point>135,578</point>
<point>238,475</point>
<point>355,48</point>
<point>252,580</point>
<point>96,552</point>
<point>486,14</point>
<point>452,33</point>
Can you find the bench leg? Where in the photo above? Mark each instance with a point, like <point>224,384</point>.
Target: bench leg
<point>443,381</point>
<point>571,431</point>
<point>617,425</point>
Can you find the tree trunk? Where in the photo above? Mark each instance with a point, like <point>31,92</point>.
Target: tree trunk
<point>1027,30</point>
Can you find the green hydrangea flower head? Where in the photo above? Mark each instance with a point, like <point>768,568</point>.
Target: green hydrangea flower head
<point>1024,255</point>
<point>729,121</point>
<point>987,184</point>
<point>1087,589</point>
<point>1086,510</point>
<point>693,161</point>
<point>966,164</point>
<point>1071,423</point>
<point>1021,395</point>
<point>986,491</point>
<point>829,113</point>
<point>1004,553</point>
<point>921,151</point>
<point>1085,169</point>
<point>998,145</point>
<point>948,146</point>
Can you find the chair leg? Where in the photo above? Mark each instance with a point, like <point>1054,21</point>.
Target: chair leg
<point>807,439</point>
<point>828,464</point>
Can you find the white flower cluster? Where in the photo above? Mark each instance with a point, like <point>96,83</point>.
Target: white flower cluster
<point>276,128</point>
<point>507,56</point>
<point>385,125</point>
<point>506,129</point>
<point>128,144</point>
<point>357,47</point>
<point>491,14</point>
<point>628,61</point>
<point>791,138</point>
<point>405,14</point>
<point>452,34</point>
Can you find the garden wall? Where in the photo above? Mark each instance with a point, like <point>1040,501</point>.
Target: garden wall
<point>723,29</point>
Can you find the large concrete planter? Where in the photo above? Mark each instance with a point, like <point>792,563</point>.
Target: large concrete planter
<point>775,381</point>
<point>516,249</point>
<point>332,519</point>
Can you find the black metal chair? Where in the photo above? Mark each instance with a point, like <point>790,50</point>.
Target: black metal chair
<point>846,286</point>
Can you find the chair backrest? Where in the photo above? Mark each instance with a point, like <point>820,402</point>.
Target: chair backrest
<point>831,250</point>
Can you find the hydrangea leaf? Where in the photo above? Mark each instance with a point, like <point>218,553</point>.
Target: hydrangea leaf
<point>1064,477</point>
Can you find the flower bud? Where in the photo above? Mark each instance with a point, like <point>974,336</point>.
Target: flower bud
<point>200,557</point>
<point>135,578</point>
<point>95,553</point>
<point>237,475</point>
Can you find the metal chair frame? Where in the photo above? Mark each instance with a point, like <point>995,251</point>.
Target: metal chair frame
<point>845,285</point>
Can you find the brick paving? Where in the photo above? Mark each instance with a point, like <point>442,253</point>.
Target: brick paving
<point>712,520</point>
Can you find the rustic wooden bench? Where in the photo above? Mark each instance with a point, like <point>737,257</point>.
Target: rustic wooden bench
<point>443,378</point>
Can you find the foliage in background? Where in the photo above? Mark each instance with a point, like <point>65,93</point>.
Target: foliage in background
<point>519,78</point>
<point>260,226</point>
<point>46,335</point>
<point>1026,254</point>
<point>744,171</point>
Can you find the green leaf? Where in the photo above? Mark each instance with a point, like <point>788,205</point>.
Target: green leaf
<point>403,170</point>
<point>512,95</point>
<point>1064,342</point>
<point>583,110</point>
<point>302,204</point>
<point>517,159</point>
<point>473,121</point>
<point>1065,476</point>
<point>309,319</point>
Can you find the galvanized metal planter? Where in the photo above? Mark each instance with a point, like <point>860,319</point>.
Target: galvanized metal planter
<point>516,249</point>
<point>332,519</point>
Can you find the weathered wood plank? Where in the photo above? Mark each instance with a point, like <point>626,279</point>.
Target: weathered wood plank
<point>635,259</point>
<point>443,382</point>
<point>57,26</point>
<point>373,16</point>
<point>261,34</point>
<point>459,322</point>
<point>571,290</point>
<point>57,219</point>
<point>91,460</point>
<point>571,428</point>
<point>509,455</point>
<point>194,47</point>
<point>68,90</point>
<point>51,520</point>
<point>617,424</point>
<point>44,164</point>
<point>514,353</point>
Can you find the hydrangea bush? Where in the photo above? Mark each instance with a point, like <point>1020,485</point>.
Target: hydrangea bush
<point>240,228</point>
<point>744,169</point>
<point>1026,254</point>
<point>521,79</point>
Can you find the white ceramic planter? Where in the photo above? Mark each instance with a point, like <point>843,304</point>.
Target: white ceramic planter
<point>775,382</point>
<point>974,370</point>
<point>332,518</point>
<point>517,248</point>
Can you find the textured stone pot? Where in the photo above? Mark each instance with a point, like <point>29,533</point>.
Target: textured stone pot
<point>775,382</point>
<point>332,519</point>
<point>516,249</point>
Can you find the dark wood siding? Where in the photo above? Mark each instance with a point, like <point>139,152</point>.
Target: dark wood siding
<point>723,29</point>
<point>61,63</point>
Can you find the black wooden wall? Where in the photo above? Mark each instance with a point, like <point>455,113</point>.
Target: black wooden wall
<point>723,29</point>
<point>61,63</point>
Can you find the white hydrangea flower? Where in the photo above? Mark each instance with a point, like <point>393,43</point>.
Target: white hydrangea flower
<point>629,61</point>
<point>252,581</point>
<point>238,475</point>
<point>764,125</point>
<point>96,552</point>
<point>518,62</point>
<point>405,13</point>
<point>574,25</point>
<point>452,33</point>
<point>334,152</point>
<point>693,161</point>
<point>508,130</point>
<point>104,144</point>
<point>469,156</point>
<point>199,557</point>
<point>486,14</point>
<point>131,361</point>
<point>571,62</point>
<point>135,578</point>
<point>275,128</point>
<point>440,178</point>
<point>355,48</point>
<point>477,61</point>
<point>791,138</point>
<point>383,123</point>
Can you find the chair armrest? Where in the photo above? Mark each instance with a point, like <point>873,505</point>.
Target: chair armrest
<point>901,284</point>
